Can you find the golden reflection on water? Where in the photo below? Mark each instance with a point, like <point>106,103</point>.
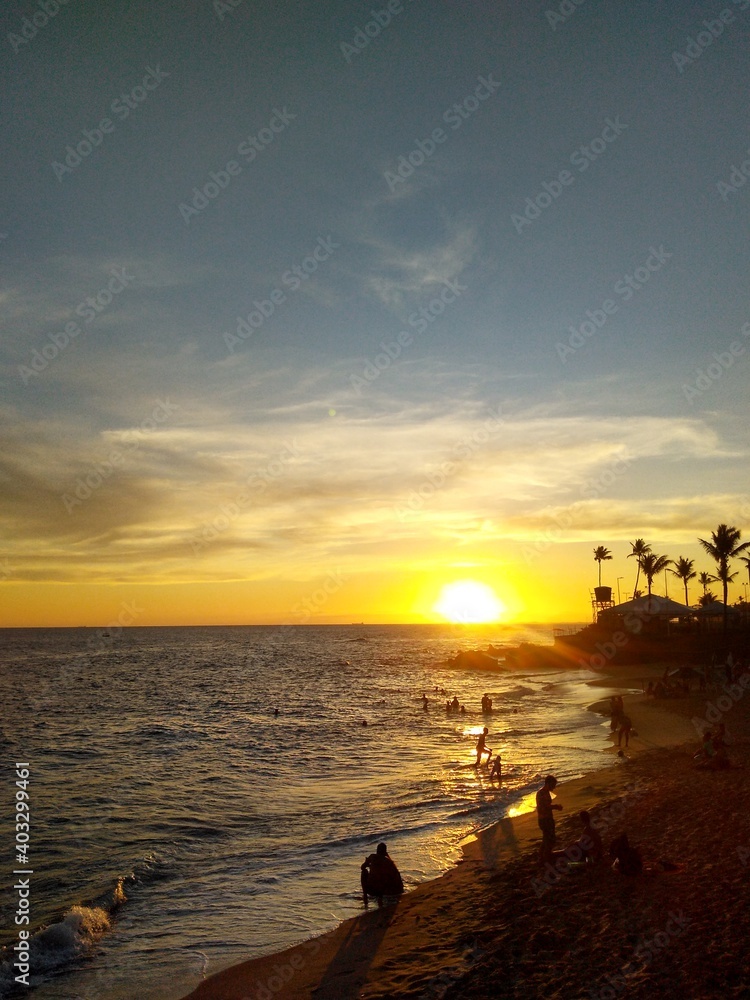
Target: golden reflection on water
<point>526,805</point>
<point>444,851</point>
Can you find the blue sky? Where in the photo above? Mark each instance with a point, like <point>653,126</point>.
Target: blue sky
<point>608,130</point>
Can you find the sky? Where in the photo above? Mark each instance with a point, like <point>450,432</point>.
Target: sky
<point>311,309</point>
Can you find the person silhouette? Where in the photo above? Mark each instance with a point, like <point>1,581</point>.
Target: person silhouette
<point>380,876</point>
<point>482,748</point>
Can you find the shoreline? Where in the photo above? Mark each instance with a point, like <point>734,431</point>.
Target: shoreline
<point>384,952</point>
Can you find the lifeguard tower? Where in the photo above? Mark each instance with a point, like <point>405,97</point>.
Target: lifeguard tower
<point>601,600</point>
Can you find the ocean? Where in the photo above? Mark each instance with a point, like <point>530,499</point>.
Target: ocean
<point>178,825</point>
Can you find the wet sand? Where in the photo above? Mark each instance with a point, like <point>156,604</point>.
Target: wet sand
<point>500,924</point>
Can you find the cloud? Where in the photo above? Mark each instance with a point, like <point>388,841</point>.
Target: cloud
<point>399,277</point>
<point>295,488</point>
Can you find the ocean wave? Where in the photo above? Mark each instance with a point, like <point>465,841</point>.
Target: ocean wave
<point>67,940</point>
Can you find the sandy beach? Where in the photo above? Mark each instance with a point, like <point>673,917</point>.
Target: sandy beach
<point>500,924</point>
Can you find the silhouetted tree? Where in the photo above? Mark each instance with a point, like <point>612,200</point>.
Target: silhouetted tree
<point>724,545</point>
<point>639,548</point>
<point>600,555</point>
<point>652,565</point>
<point>684,571</point>
<point>707,597</point>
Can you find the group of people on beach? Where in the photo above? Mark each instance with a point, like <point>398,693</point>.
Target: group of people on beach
<point>588,846</point>
<point>454,705</point>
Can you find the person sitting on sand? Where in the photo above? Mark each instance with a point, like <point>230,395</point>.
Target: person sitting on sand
<point>628,859</point>
<point>719,737</point>
<point>497,768</point>
<point>720,761</point>
<point>625,726</point>
<point>545,817</point>
<point>481,748</point>
<point>380,876</point>
<point>712,755</point>
<point>590,843</point>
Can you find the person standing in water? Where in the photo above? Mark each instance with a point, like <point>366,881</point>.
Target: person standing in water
<point>497,768</point>
<point>482,748</point>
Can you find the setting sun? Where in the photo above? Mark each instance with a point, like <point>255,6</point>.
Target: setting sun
<point>469,602</point>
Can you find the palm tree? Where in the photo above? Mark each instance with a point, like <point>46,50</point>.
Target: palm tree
<point>639,548</point>
<point>685,572</point>
<point>746,561</point>
<point>600,554</point>
<point>652,565</point>
<point>707,597</point>
<point>724,545</point>
<point>704,579</point>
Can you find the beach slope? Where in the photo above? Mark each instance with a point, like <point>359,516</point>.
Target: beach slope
<point>501,925</point>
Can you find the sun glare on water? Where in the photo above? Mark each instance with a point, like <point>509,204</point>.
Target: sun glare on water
<point>470,603</point>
